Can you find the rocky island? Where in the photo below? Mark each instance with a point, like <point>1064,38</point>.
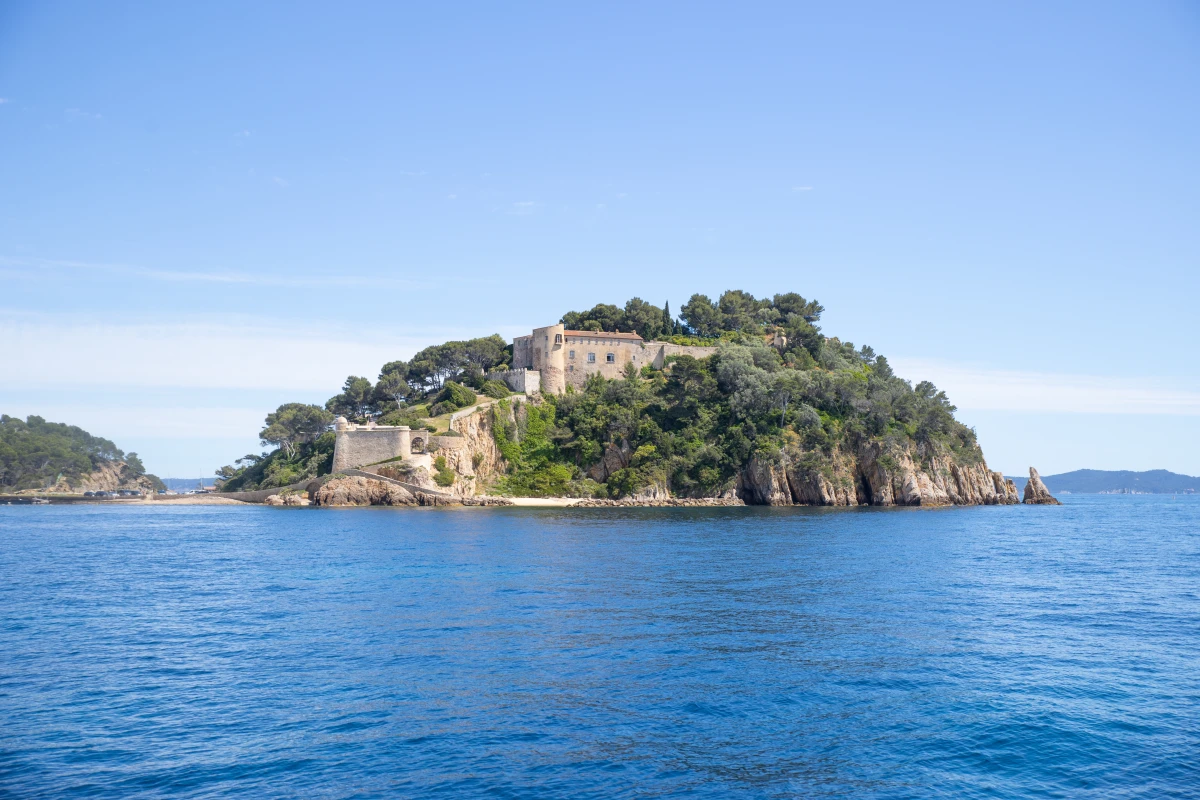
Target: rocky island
<point>739,401</point>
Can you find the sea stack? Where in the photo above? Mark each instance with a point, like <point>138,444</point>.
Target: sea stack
<point>1036,493</point>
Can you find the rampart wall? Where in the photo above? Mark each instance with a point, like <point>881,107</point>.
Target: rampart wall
<point>355,446</point>
<point>519,380</point>
<point>666,350</point>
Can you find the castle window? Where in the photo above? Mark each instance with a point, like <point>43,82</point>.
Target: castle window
<point>570,367</point>
<point>611,358</point>
<point>571,354</point>
<point>591,358</point>
<point>558,338</point>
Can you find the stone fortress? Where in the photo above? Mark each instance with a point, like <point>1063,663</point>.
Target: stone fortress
<point>548,360</point>
<point>565,358</point>
<point>356,445</point>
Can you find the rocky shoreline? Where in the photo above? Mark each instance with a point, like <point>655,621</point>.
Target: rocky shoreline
<point>760,484</point>
<point>670,502</point>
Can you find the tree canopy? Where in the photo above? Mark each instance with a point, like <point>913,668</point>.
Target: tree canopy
<point>645,319</point>
<point>295,423</point>
<point>694,425</point>
<point>34,453</point>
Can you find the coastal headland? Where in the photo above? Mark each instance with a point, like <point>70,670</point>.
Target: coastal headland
<point>738,401</point>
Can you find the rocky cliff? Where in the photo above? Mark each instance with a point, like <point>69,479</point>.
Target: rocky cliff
<point>875,473</point>
<point>478,461</point>
<point>110,476</point>
<point>1036,493</point>
<point>878,473</point>
<point>359,491</point>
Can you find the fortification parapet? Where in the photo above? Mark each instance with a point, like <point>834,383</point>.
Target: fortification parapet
<point>356,445</point>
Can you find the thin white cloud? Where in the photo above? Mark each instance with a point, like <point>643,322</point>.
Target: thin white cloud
<point>124,422</point>
<point>202,355</point>
<point>984,389</point>
<point>802,188</point>
<point>3,100</point>
<point>35,267</point>
<point>413,174</point>
<point>280,181</point>
<point>79,113</point>
<point>524,208</point>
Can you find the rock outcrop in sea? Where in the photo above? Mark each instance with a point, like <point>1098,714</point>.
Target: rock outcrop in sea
<point>1036,493</point>
<point>358,491</point>
<point>873,474</point>
<point>291,499</point>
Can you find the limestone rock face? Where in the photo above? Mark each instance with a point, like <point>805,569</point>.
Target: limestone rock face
<point>479,461</point>
<point>655,492</point>
<point>359,491</point>
<point>875,473</point>
<point>362,492</point>
<point>822,481</point>
<point>110,476</point>
<point>1036,493</point>
<point>614,458</point>
<point>764,483</point>
<point>287,500</point>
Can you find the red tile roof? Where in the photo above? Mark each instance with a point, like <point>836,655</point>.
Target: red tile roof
<point>603,335</point>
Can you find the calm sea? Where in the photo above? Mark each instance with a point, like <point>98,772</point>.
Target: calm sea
<point>271,652</point>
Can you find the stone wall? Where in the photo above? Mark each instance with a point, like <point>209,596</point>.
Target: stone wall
<point>522,354</point>
<point>447,442</point>
<point>258,495</point>
<point>600,345</point>
<point>548,354</point>
<point>565,358</point>
<point>355,446</point>
<point>519,380</point>
<point>665,350</point>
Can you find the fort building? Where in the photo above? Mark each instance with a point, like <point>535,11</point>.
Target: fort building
<point>548,360</point>
<point>563,358</point>
<point>355,445</point>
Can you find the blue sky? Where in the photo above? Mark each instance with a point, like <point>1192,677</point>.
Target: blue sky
<point>210,209</point>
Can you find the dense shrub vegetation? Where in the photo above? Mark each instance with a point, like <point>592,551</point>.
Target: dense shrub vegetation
<point>694,425</point>
<point>452,397</point>
<point>775,384</point>
<point>305,459</point>
<point>34,453</point>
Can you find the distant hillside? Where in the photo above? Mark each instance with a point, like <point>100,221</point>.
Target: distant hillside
<point>187,484</point>
<point>36,454</point>
<point>1097,481</point>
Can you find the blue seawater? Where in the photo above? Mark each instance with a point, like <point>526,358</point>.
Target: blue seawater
<point>192,652</point>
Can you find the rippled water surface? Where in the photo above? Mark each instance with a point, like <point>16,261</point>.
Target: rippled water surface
<point>270,652</point>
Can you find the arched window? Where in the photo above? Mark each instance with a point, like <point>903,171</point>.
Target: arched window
<point>418,445</point>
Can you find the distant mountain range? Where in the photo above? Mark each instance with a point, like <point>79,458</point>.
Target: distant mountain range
<point>1100,481</point>
<point>185,484</point>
